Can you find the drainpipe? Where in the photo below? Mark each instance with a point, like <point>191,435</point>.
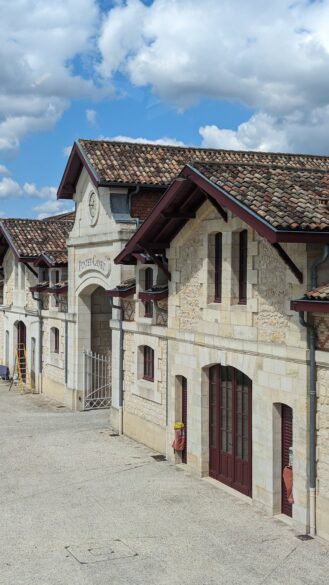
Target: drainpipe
<point>39,301</point>
<point>312,394</point>
<point>119,308</point>
<point>312,420</point>
<point>165,312</point>
<point>66,350</point>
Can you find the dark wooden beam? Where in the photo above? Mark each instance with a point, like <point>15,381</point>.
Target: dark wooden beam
<point>155,245</point>
<point>158,262</point>
<point>288,261</point>
<point>303,305</point>
<point>178,214</point>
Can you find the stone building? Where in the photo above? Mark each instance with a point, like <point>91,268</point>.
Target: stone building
<point>200,316</point>
<point>237,242</point>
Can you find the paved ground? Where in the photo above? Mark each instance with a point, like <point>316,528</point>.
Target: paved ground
<point>82,507</point>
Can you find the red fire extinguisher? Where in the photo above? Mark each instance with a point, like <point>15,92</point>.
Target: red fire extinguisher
<point>179,440</point>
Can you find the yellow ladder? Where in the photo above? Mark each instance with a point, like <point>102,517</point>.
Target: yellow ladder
<point>23,369</point>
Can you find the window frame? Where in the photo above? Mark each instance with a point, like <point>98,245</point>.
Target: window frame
<point>243,260</point>
<point>148,363</point>
<point>54,340</point>
<point>218,243</point>
<point>148,283</point>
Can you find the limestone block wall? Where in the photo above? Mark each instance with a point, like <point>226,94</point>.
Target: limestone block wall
<point>8,265</point>
<point>323,451</point>
<point>270,285</point>
<point>53,364</point>
<point>145,401</point>
<point>30,280</point>
<point>321,322</point>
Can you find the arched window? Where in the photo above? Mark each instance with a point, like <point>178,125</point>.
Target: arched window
<point>54,340</point>
<point>148,368</point>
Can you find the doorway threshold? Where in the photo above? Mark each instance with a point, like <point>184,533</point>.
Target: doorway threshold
<point>228,489</point>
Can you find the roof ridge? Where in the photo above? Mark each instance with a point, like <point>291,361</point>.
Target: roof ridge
<point>202,148</point>
<point>257,165</point>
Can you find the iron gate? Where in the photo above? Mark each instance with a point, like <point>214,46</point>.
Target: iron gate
<point>97,380</point>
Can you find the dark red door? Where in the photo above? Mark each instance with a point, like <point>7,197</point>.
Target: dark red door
<point>286,443</point>
<point>21,344</point>
<point>184,416</point>
<point>230,427</point>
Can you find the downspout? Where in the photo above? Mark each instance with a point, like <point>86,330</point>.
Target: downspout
<point>120,309</point>
<point>66,351</point>
<point>165,312</point>
<point>39,301</point>
<point>312,394</point>
<point>312,421</point>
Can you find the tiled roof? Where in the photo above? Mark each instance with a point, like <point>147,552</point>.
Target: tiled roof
<point>149,164</point>
<point>31,237</point>
<point>57,258</point>
<point>68,216</point>
<point>321,293</point>
<point>285,197</point>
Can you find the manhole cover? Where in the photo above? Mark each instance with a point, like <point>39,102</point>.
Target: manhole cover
<point>97,553</point>
<point>159,457</point>
<point>304,537</point>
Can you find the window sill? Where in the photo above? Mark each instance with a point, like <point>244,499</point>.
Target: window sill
<point>147,390</point>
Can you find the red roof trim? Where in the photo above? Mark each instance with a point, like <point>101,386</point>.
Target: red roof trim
<point>153,295</point>
<point>310,306</point>
<point>122,293</point>
<point>77,160</point>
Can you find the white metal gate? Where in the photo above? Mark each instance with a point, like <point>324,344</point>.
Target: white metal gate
<point>97,380</point>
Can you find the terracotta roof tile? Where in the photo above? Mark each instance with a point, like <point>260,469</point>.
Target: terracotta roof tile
<point>286,197</point>
<point>321,293</point>
<point>31,237</point>
<point>148,164</point>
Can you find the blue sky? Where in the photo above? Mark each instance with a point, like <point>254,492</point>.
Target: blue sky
<point>219,74</point>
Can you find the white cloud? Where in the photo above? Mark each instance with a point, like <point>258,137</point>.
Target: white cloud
<point>9,188</point>
<point>31,190</point>
<point>67,150</point>
<point>4,170</point>
<point>52,207</point>
<point>39,42</point>
<point>165,140</point>
<point>91,117</point>
<point>274,61</point>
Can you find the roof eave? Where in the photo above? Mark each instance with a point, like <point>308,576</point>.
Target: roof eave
<point>77,160</point>
<point>309,306</point>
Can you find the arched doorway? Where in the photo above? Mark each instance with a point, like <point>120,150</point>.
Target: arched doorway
<point>230,416</point>
<point>94,338</point>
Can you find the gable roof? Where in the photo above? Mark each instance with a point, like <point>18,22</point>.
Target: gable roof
<point>28,238</point>
<point>282,204</point>
<point>130,164</point>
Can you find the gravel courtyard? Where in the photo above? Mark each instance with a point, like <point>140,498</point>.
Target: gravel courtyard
<point>80,506</point>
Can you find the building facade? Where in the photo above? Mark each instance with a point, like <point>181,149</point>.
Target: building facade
<point>181,296</point>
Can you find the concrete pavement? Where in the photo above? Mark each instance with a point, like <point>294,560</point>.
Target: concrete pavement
<point>80,506</point>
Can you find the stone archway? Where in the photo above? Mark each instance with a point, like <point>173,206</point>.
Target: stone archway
<point>94,347</point>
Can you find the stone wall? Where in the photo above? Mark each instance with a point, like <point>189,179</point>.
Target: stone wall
<point>145,401</point>
<point>321,323</point>
<point>323,452</point>
<point>53,364</point>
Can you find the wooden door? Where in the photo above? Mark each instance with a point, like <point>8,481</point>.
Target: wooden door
<point>286,443</point>
<point>230,427</point>
<point>184,416</point>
